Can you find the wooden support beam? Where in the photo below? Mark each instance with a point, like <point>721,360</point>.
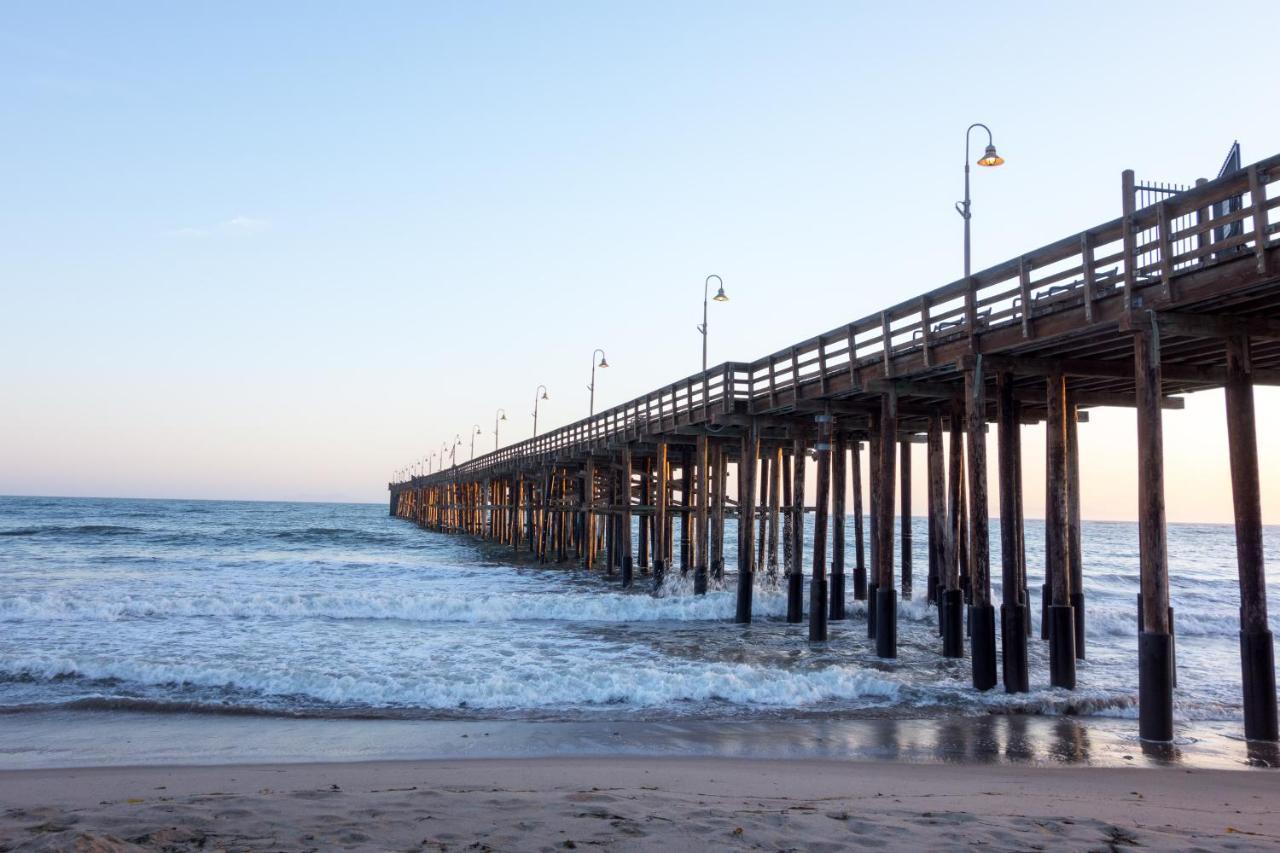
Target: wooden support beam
<point>1061,620</point>
<point>686,506</point>
<point>747,463</point>
<point>786,516</point>
<point>955,496</point>
<point>661,494</point>
<point>982,615</point>
<point>1117,399</point>
<point>1075,558</point>
<point>587,539</point>
<point>904,517</point>
<point>645,528</point>
<point>700,519</point>
<point>628,564</point>
<point>818,580</point>
<point>1013,610</point>
<point>937,490</point>
<point>951,617</point>
<point>1213,325</point>
<point>911,388</point>
<point>886,603</point>
<point>1155,643</point>
<point>1116,369</point>
<point>1257,657</point>
<point>839,487</point>
<point>718,478</point>
<point>795,580</point>
<point>859,547</point>
<point>773,505</point>
<point>765,481</point>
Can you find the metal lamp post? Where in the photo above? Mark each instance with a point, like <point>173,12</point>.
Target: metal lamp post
<point>989,158</point>
<point>539,394</point>
<point>500,415</point>
<point>475,431</point>
<point>592,386</point>
<point>719,297</point>
<point>453,451</point>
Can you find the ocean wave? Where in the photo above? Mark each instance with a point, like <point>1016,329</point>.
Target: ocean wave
<point>518,685</point>
<point>1102,622</point>
<point>615,607</point>
<point>334,535</point>
<point>72,530</point>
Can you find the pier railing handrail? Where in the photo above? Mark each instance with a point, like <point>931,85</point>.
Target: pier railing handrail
<point>1126,257</point>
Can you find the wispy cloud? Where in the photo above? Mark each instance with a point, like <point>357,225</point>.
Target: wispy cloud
<point>247,223</point>
<point>240,224</point>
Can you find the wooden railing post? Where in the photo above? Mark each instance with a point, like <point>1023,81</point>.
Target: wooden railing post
<point>1087,274</point>
<point>1165,244</point>
<point>1129,239</point>
<point>1024,290</point>
<point>1258,198</point>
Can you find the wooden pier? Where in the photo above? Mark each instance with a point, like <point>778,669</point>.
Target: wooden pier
<point>1179,296</point>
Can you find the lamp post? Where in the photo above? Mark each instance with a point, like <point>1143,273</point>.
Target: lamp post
<point>592,386</point>
<point>719,297</point>
<point>474,433</point>
<point>542,389</point>
<point>453,451</point>
<point>989,158</point>
<point>500,415</point>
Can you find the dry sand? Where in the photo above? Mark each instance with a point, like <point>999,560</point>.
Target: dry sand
<point>637,804</point>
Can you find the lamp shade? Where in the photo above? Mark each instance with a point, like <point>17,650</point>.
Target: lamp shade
<point>990,157</point>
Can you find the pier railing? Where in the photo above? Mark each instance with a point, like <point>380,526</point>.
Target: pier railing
<point>1135,258</point>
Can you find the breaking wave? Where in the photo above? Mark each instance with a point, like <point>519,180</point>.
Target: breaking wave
<point>459,606</point>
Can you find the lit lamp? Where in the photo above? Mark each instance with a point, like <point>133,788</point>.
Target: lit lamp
<point>720,296</point>
<point>541,390</point>
<point>500,415</point>
<point>592,386</point>
<point>989,159</point>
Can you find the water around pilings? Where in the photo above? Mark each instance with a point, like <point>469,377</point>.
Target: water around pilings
<point>338,611</point>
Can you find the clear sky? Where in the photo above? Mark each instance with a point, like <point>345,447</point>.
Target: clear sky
<point>254,250</point>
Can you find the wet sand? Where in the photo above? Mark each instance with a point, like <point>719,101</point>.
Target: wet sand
<point>232,782</point>
<point>47,739</point>
<point>637,804</point>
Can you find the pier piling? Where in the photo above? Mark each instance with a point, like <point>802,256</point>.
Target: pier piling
<point>1257,653</point>
<point>1013,611</point>
<point>886,601</point>
<point>795,580</point>
<point>838,490</point>
<point>747,466</point>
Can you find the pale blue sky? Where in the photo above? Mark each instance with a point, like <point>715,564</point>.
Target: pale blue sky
<point>278,250</point>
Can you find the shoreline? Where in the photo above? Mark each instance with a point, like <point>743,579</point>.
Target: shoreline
<point>104,739</point>
<point>634,803</point>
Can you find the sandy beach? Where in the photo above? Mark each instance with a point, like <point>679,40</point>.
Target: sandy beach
<point>636,804</point>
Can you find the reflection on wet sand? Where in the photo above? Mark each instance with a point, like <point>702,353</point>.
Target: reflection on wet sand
<point>60,739</point>
<point>1018,746</point>
<point>1070,742</point>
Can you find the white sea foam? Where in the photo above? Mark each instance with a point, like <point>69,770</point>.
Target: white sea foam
<point>461,606</point>
<point>521,683</point>
<point>249,606</point>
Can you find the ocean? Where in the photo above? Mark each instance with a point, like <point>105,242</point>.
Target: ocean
<point>301,610</point>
